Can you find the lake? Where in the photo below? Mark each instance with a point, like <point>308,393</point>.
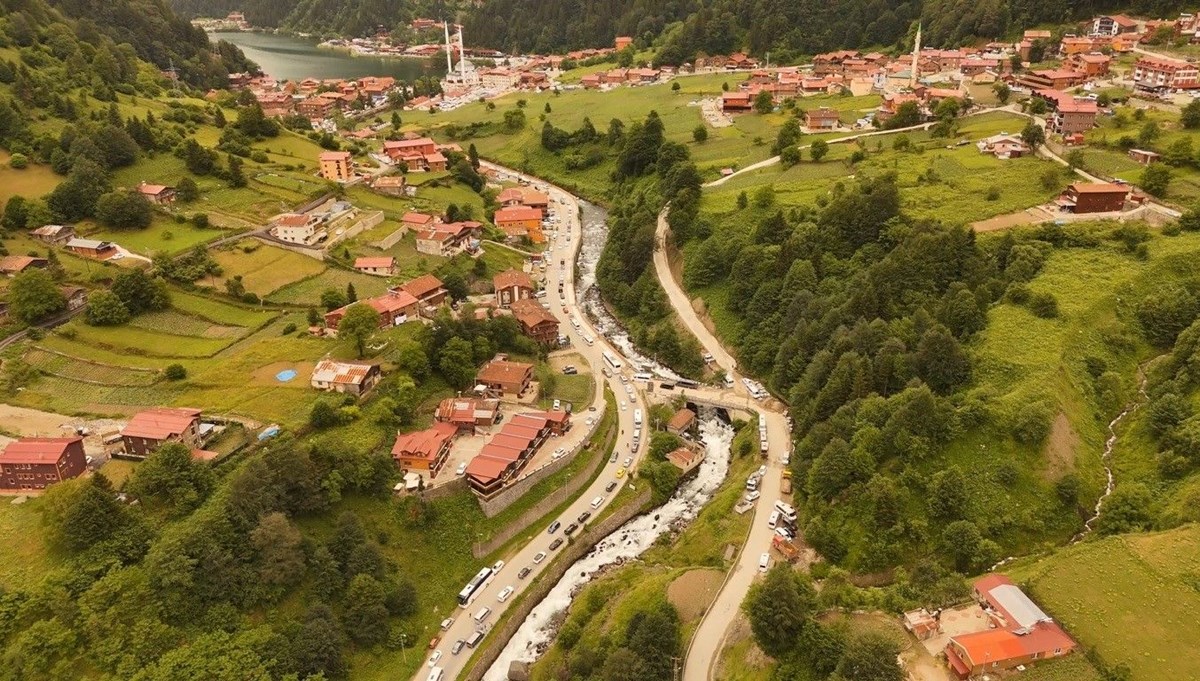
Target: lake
<point>290,58</point>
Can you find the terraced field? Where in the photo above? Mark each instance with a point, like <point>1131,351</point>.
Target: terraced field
<point>308,291</point>
<point>177,323</point>
<point>81,370</point>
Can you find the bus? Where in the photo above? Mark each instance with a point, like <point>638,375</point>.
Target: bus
<point>687,383</point>
<point>611,360</point>
<point>468,593</point>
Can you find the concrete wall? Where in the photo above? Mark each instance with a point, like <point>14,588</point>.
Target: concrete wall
<point>541,508</point>
<point>576,549</point>
<point>455,486</point>
<point>391,239</point>
<point>315,253</point>
<point>494,506</point>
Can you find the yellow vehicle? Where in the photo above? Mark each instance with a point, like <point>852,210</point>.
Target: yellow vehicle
<point>620,473</point>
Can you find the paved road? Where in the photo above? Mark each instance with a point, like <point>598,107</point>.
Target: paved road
<point>709,638</point>
<point>564,248</point>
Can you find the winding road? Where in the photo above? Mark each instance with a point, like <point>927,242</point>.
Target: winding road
<point>563,249</point>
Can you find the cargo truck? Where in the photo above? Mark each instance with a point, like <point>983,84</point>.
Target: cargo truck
<point>785,482</point>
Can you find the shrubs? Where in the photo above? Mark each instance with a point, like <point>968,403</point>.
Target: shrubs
<point>175,372</point>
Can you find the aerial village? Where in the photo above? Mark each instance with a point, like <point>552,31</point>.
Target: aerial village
<point>504,432</point>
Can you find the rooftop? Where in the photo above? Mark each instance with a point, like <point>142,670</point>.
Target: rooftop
<point>342,373</point>
<point>33,450</point>
<point>160,423</point>
<point>504,371</point>
<point>378,262</point>
<point>422,286</point>
<point>424,444</point>
<point>510,278</point>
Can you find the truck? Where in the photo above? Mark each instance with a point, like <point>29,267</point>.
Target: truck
<point>786,548</point>
<point>785,482</point>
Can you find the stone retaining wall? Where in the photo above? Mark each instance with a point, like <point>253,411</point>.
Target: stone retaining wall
<point>575,550</point>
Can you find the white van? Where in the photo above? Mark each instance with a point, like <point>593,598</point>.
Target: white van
<point>785,508</point>
<point>597,501</point>
<point>436,674</point>
<point>637,434</point>
<point>773,520</point>
<point>484,612</point>
<point>764,562</point>
<point>637,414</point>
<point>588,339</point>
<point>643,377</point>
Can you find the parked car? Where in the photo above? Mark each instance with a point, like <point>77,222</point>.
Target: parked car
<point>524,572</point>
<point>753,496</point>
<point>555,544</point>
<point>541,555</point>
<point>584,516</point>
<point>462,469</point>
<point>627,462</point>
<point>447,622</point>
<point>569,370</point>
<point>570,529</point>
<point>498,566</point>
<point>457,647</point>
<point>504,594</point>
<point>610,487</point>
<point>553,527</point>
<point>433,659</point>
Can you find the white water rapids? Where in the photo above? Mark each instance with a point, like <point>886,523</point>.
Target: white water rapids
<point>594,236</point>
<point>628,541</point>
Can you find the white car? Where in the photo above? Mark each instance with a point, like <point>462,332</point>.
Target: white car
<point>627,462</point>
<point>557,405</point>
<point>628,389</point>
<point>764,562</point>
<point>498,566</point>
<point>462,469</point>
<point>504,594</point>
<point>541,555</point>
<point>558,454</point>
<point>447,622</point>
<point>753,496</point>
<point>589,420</point>
<point>433,659</point>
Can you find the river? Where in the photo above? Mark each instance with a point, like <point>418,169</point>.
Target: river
<point>594,235</point>
<point>285,57</point>
<point>628,541</point>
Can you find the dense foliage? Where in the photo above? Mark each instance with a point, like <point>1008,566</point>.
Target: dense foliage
<point>145,29</point>
<point>649,173</point>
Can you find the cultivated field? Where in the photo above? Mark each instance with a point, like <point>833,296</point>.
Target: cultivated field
<point>1133,598</point>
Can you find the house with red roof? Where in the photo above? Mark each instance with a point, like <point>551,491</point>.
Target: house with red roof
<point>427,289</point>
<point>511,285</point>
<point>449,239</point>
<point>1154,74</point>
<point>502,377</point>
<point>13,265</point>
<point>536,321</point>
<point>1113,25</point>
<point>520,221</point>
<point>735,102</point>
<point>1022,632</point>
<point>158,194</point>
<point>419,154</point>
<point>34,463</point>
<point>468,413</point>
<point>353,378</point>
<point>424,450</point>
<point>503,458</point>
<point>150,429</point>
<point>384,265</point>
<point>394,307</point>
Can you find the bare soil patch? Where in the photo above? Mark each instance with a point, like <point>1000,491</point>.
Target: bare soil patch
<point>693,591</point>
<point>1060,448</point>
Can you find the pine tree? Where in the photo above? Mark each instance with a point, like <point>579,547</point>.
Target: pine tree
<point>351,294</point>
<point>219,118</point>
<point>236,177</point>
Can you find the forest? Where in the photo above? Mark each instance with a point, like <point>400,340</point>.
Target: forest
<point>146,27</point>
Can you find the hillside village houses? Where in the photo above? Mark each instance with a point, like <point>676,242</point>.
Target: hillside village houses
<point>500,378</point>
<point>449,239</point>
<point>384,266</point>
<point>158,194</point>
<point>510,286</point>
<point>150,429</point>
<point>336,166</point>
<point>34,463</point>
<point>352,378</point>
<point>55,235</point>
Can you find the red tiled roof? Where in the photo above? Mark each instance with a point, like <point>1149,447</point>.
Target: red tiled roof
<point>423,444</point>
<point>510,278</point>
<point>152,189</point>
<point>16,263</point>
<point>416,218</point>
<point>1098,188</point>
<point>334,156</point>
<point>292,220</point>
<point>160,423</point>
<point>517,213</point>
<point>392,302</point>
<point>503,371</point>
<point>33,450</point>
<point>537,421</point>
<point>682,419</point>
<point>531,313</point>
<point>422,285</point>
<point>487,469</point>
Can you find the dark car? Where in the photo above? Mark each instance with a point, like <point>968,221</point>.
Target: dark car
<point>555,544</point>
<point>610,487</point>
<point>553,527</point>
<point>524,573</point>
<point>570,528</point>
<point>584,516</point>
